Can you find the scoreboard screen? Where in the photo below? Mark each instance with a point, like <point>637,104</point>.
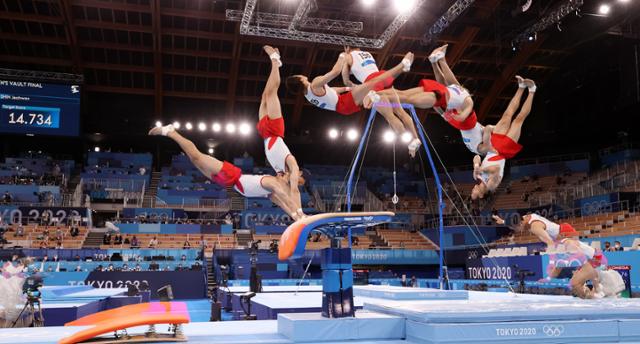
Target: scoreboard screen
<point>28,107</point>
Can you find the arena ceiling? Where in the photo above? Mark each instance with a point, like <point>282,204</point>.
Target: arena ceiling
<point>170,52</point>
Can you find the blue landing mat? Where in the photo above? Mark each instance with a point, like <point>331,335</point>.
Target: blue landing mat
<point>311,327</point>
<point>509,307</point>
<point>400,293</point>
<point>231,332</point>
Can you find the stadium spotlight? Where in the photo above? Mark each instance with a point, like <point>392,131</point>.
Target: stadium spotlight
<point>202,126</point>
<point>624,1</point>
<point>368,3</point>
<point>216,127</point>
<point>604,9</point>
<point>352,134</point>
<point>244,129</point>
<point>188,126</point>
<point>406,137</point>
<point>389,136</point>
<point>96,149</point>
<point>158,124</point>
<point>176,125</point>
<point>210,150</point>
<point>404,6</point>
<point>333,133</point>
<point>231,128</point>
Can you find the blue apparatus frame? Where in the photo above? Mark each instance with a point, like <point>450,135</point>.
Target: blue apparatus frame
<point>425,144</point>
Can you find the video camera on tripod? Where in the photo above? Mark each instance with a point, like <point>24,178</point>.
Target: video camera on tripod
<point>521,275</point>
<point>31,288</point>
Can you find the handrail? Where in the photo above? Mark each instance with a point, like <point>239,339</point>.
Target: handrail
<point>193,203</point>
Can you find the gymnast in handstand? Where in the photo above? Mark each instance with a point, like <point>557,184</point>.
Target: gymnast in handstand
<point>504,137</point>
<point>271,129</point>
<point>349,100</point>
<point>226,174</point>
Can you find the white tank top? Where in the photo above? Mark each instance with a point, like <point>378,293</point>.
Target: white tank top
<point>472,137</point>
<point>457,95</point>
<point>363,65</point>
<point>551,227</point>
<point>251,185</point>
<point>484,176</point>
<point>277,154</point>
<point>327,102</point>
<point>585,249</point>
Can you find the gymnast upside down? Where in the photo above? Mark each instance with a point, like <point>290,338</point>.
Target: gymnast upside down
<point>504,137</point>
<point>349,100</point>
<point>271,128</point>
<point>226,174</point>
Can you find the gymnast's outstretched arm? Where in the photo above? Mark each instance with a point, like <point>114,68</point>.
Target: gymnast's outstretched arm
<point>319,81</point>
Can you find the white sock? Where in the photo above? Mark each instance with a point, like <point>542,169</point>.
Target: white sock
<point>373,96</point>
<point>533,88</point>
<point>276,56</point>
<point>522,84</point>
<point>167,129</point>
<point>406,65</point>
<point>433,58</point>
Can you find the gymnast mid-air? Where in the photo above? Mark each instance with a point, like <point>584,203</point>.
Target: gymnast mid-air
<point>226,174</point>
<point>348,100</point>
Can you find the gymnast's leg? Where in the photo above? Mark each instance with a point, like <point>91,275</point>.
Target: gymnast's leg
<point>206,164</point>
<point>270,103</point>
<point>502,127</point>
<point>516,127</point>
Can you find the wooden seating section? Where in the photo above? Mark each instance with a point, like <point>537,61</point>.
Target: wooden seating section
<point>33,231</point>
<point>397,239</point>
<point>222,241</point>
<point>593,226</point>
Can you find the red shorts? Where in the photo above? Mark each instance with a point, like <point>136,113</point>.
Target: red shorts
<point>468,124</point>
<point>346,104</point>
<point>268,127</point>
<point>567,230</point>
<point>380,85</point>
<point>505,145</point>
<point>439,89</point>
<point>596,261</point>
<point>228,175</point>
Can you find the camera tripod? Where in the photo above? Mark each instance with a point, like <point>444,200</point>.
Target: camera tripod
<point>34,308</point>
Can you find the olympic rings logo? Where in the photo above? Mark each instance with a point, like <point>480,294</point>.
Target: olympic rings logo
<point>553,330</point>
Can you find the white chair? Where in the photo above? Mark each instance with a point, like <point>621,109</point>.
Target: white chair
<point>636,244</point>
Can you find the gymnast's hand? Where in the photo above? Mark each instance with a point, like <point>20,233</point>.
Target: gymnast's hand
<point>498,219</point>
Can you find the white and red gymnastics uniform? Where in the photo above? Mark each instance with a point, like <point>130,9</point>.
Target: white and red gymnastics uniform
<point>491,159</point>
<point>364,68</point>
<point>276,151</point>
<point>250,185</point>
<point>505,145</point>
<point>552,228</point>
<point>594,256</point>
<point>343,103</point>
<point>246,184</point>
<point>472,138</point>
<point>450,99</point>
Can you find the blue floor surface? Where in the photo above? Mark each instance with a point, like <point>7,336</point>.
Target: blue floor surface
<point>200,310</point>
